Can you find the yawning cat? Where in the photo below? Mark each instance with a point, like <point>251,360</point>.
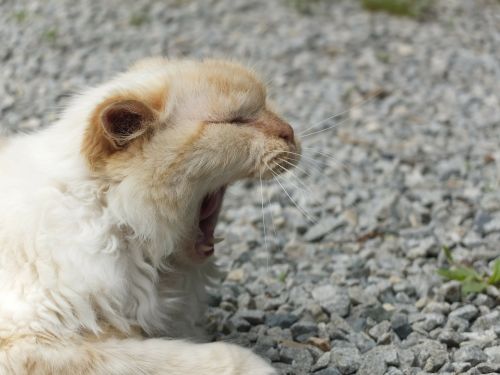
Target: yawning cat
<point>107,221</point>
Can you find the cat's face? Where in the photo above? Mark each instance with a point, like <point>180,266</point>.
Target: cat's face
<point>184,131</point>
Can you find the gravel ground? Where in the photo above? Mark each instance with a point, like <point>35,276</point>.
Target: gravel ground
<point>413,169</point>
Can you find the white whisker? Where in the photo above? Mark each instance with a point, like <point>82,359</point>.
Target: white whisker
<point>306,188</point>
<point>301,190</point>
<point>264,223</point>
<point>363,102</point>
<point>329,156</point>
<point>272,218</point>
<point>312,220</point>
<point>317,162</point>
<point>325,129</point>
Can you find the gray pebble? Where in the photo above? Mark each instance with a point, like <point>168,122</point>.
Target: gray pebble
<point>322,362</point>
<point>304,330</point>
<point>328,371</point>
<point>323,227</point>
<point>347,360</point>
<point>253,317</point>
<point>493,353</point>
<point>467,312</point>
<point>281,320</point>
<point>400,325</point>
<point>471,354</point>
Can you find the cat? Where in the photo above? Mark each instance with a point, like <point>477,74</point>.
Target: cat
<point>107,221</point>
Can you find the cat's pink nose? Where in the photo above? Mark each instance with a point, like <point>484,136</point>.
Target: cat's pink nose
<point>286,132</point>
<point>274,126</point>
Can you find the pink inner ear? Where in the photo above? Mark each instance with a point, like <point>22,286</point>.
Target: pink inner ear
<point>125,120</point>
<point>121,122</point>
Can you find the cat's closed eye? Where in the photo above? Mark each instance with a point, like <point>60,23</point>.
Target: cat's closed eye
<point>240,120</point>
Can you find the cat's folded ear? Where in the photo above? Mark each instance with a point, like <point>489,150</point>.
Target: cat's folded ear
<point>114,125</point>
<point>126,120</point>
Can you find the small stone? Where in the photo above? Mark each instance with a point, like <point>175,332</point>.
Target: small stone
<point>380,329</point>
<point>493,292</point>
<point>471,354</point>
<point>391,356</point>
<point>280,334</point>
<point>236,275</point>
<point>473,371</point>
<point>457,324</point>
<point>451,338</point>
<point>332,299</point>
<point>400,325</point>
<point>422,248</point>
<point>432,321</point>
<point>281,320</point>
<point>347,360</point>
<point>406,357</point>
<point>239,324</point>
<point>436,361</point>
<point>328,371</point>
<point>272,353</point>
<point>487,321</point>
<point>253,317</point>
<point>295,354</point>
<point>492,225</point>
<point>30,124</point>
<point>322,362</point>
<point>376,360</point>
<point>302,362</point>
<point>362,341</point>
<point>388,307</point>
<point>283,368</point>
<point>304,330</point>
<point>437,307</point>
<point>481,219</point>
<point>480,338</point>
<point>430,355</point>
<point>460,367</point>
<point>451,291</point>
<point>377,313</point>
<point>467,312</point>
<point>483,300</point>
<point>489,368</point>
<point>393,371</point>
<point>320,343</point>
<point>323,227</point>
<point>493,353</point>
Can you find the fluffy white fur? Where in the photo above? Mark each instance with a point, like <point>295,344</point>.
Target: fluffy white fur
<point>91,259</point>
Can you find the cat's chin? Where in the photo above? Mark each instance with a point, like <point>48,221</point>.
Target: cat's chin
<point>207,220</point>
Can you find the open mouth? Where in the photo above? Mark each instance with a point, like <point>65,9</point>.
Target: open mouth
<point>209,213</point>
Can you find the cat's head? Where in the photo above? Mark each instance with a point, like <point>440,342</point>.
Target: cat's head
<point>182,131</point>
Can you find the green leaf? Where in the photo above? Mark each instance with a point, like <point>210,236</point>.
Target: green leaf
<point>448,254</point>
<point>494,279</point>
<point>471,286</point>
<point>459,273</point>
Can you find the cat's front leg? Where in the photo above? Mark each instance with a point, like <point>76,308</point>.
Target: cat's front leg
<point>223,358</point>
<point>130,356</point>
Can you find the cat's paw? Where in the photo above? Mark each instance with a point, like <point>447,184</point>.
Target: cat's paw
<point>243,361</point>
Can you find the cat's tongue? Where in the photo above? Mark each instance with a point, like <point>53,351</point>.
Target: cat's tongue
<point>209,213</point>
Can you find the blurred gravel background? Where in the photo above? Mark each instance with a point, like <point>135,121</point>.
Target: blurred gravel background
<point>414,168</point>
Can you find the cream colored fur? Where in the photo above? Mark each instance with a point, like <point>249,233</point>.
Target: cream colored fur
<point>96,247</point>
